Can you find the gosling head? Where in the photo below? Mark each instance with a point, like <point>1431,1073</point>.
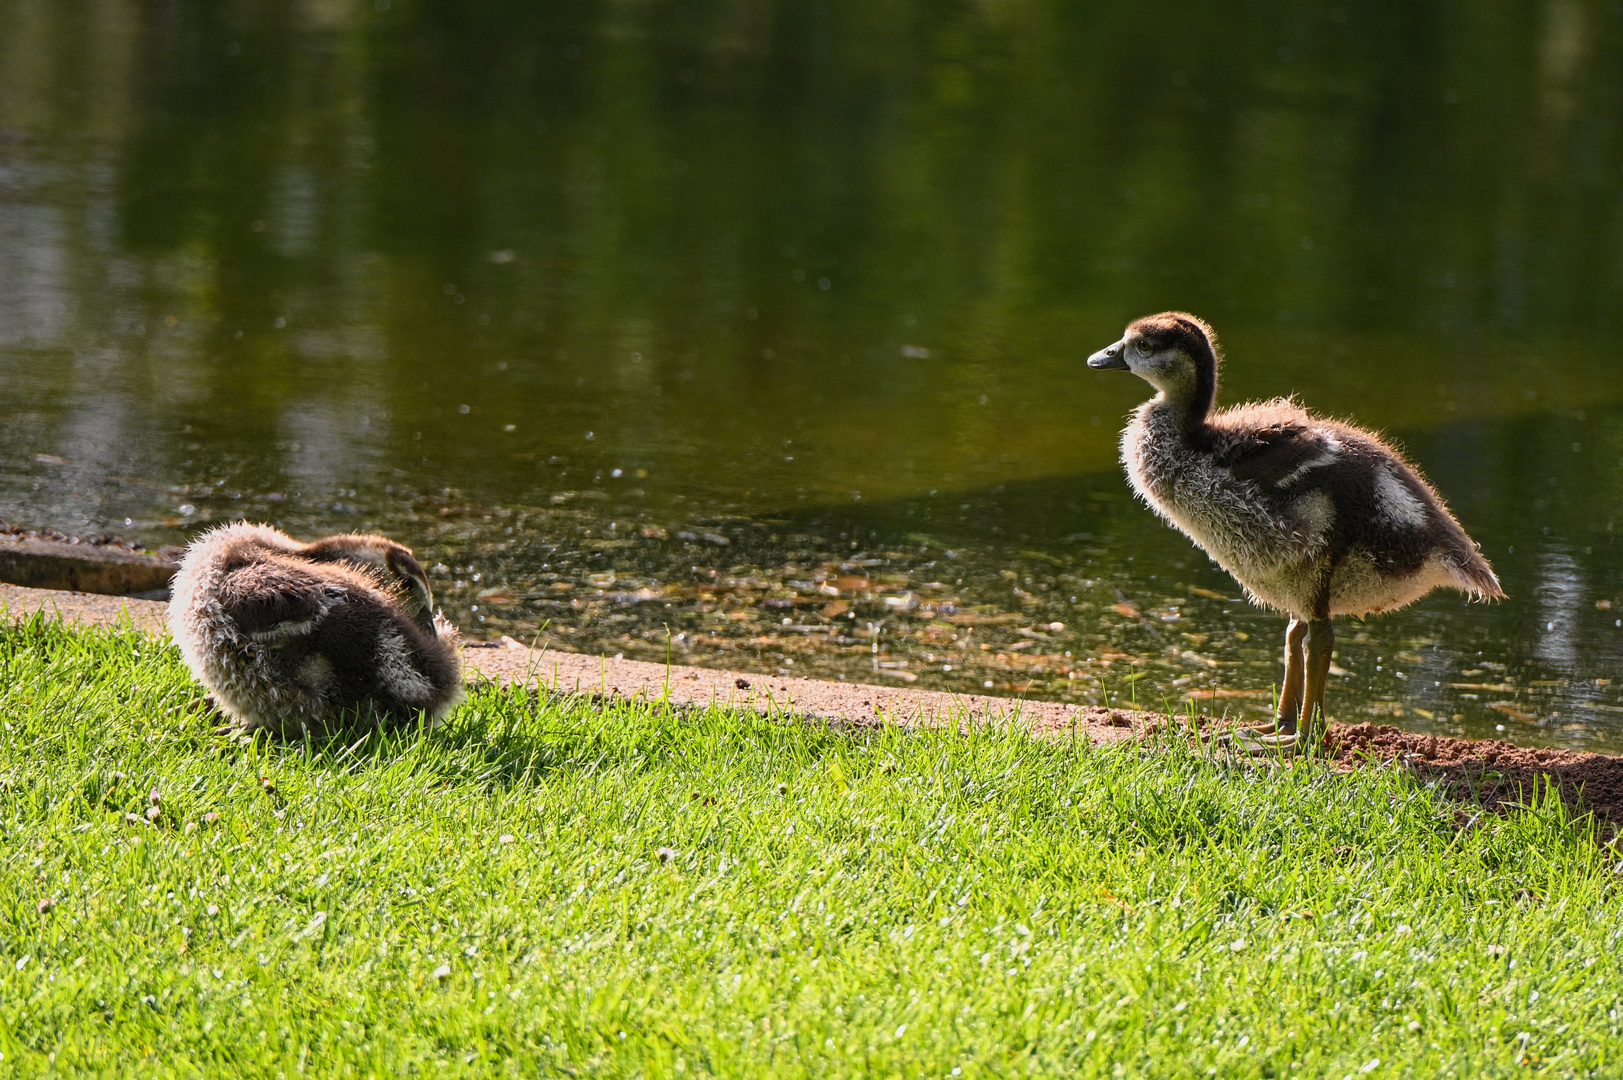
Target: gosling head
<point>1174,352</point>
<point>395,562</point>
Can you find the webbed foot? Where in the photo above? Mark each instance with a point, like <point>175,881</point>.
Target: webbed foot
<point>1275,739</point>
<point>1262,742</point>
<point>1238,734</point>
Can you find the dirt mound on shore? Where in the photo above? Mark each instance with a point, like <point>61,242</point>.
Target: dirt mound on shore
<point>1495,771</point>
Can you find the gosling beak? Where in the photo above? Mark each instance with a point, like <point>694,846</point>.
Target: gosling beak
<point>420,597</point>
<point>1111,357</point>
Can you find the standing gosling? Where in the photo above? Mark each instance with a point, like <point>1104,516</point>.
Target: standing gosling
<point>1313,517</point>
<point>292,637</point>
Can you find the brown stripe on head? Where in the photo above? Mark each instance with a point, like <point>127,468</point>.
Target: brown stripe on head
<point>1179,329</point>
<point>1198,341</point>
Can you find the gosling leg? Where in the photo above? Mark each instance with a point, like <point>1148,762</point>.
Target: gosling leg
<point>1321,641</point>
<point>1290,696</point>
<point>1311,678</point>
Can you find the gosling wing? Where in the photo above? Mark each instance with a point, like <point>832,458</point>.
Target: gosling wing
<point>1277,456</point>
<point>274,601</point>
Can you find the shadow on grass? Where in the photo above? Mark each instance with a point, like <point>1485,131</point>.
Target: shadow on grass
<point>502,737</point>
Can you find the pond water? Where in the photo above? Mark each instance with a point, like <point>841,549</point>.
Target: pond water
<point>752,334</point>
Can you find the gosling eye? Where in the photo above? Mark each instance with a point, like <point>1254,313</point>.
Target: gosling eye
<point>1144,348</point>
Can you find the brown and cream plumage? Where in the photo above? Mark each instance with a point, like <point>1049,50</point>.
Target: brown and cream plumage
<point>297,638</point>
<point>1314,517</point>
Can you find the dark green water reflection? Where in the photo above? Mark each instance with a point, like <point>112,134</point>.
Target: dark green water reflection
<point>753,332</point>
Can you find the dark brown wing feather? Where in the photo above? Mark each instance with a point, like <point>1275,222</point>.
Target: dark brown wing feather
<point>1269,455</point>
<point>261,597</point>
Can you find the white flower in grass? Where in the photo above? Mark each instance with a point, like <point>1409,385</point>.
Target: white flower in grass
<point>505,838</point>
<point>1238,945</point>
<point>442,972</point>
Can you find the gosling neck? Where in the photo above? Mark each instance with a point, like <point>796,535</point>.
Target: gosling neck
<point>1185,403</point>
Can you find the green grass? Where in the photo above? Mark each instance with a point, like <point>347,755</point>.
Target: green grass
<point>491,899</point>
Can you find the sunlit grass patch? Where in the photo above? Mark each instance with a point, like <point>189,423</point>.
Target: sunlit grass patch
<point>555,886</point>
